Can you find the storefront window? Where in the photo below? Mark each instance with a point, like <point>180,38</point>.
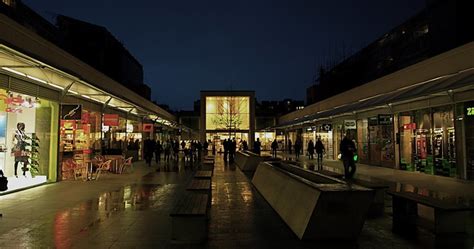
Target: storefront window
<point>28,140</point>
<point>468,111</point>
<point>79,140</point>
<point>444,151</point>
<point>427,141</point>
<point>362,140</point>
<point>266,139</point>
<point>228,113</point>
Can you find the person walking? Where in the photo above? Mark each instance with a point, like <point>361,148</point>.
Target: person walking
<point>256,146</point>
<point>347,148</point>
<point>298,145</point>
<point>167,148</point>
<point>149,145</point>
<point>232,149</point>
<point>226,149</point>
<point>274,148</point>
<point>319,151</point>
<point>310,150</point>
<point>158,149</point>
<point>245,145</point>
<point>289,146</point>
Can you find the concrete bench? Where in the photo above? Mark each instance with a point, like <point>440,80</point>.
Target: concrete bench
<point>203,174</point>
<point>202,186</point>
<point>247,161</point>
<point>313,205</point>
<point>377,207</point>
<point>207,164</point>
<point>440,216</point>
<point>190,218</point>
<point>331,173</point>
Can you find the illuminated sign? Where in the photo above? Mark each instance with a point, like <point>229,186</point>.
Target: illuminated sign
<point>326,127</point>
<point>350,124</point>
<point>111,119</point>
<point>410,126</point>
<point>129,128</point>
<point>147,127</point>
<point>385,119</point>
<point>470,111</point>
<point>71,112</point>
<point>14,104</point>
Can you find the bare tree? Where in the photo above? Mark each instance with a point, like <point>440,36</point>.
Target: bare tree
<point>228,115</point>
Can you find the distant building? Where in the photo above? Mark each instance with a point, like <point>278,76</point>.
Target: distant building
<point>91,43</point>
<point>96,46</point>
<point>441,26</point>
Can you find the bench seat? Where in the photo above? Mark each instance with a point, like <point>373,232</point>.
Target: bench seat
<point>203,174</point>
<point>189,218</point>
<point>440,216</point>
<point>377,207</point>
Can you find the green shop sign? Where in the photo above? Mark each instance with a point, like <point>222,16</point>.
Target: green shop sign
<point>470,111</point>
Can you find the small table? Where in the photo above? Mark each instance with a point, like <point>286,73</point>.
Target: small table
<point>117,160</point>
<point>89,169</point>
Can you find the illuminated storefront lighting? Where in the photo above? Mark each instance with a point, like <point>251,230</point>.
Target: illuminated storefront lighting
<point>56,86</point>
<point>13,71</point>
<point>73,92</point>
<point>37,79</point>
<point>85,96</point>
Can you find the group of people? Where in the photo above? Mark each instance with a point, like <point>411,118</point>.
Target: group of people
<point>347,148</point>
<point>170,148</point>
<point>230,146</point>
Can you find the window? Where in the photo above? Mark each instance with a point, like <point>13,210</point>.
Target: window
<point>228,113</point>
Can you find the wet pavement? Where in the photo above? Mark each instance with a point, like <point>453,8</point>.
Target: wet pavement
<point>132,211</point>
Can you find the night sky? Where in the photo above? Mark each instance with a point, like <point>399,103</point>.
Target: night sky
<point>270,46</point>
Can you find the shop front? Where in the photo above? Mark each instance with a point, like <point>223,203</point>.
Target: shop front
<point>427,141</point>
<point>28,139</point>
<point>375,141</point>
<point>468,113</point>
<point>79,137</point>
<point>325,133</point>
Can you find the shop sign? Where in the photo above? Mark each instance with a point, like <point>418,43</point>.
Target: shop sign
<point>470,111</point>
<point>71,112</point>
<point>147,127</point>
<point>410,126</point>
<point>85,119</point>
<point>373,121</point>
<point>129,128</point>
<point>350,124</point>
<point>326,127</point>
<point>14,104</point>
<point>385,119</point>
<point>111,120</point>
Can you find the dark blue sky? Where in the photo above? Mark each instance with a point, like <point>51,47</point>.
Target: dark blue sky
<point>270,46</point>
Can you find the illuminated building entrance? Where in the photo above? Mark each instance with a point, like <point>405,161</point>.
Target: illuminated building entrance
<point>227,115</point>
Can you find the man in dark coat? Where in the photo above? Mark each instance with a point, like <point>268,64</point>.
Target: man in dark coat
<point>347,148</point>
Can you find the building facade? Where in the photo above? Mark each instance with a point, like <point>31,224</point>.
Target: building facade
<point>416,119</point>
<point>227,115</point>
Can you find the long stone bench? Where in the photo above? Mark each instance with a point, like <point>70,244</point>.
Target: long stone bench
<point>313,205</point>
<point>203,174</point>
<point>377,207</point>
<point>190,218</point>
<point>247,160</point>
<point>440,216</point>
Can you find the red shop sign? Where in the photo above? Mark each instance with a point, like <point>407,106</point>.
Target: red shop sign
<point>147,127</point>
<point>111,119</point>
<point>410,126</point>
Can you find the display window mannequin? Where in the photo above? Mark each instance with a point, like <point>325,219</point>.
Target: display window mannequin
<point>19,150</point>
